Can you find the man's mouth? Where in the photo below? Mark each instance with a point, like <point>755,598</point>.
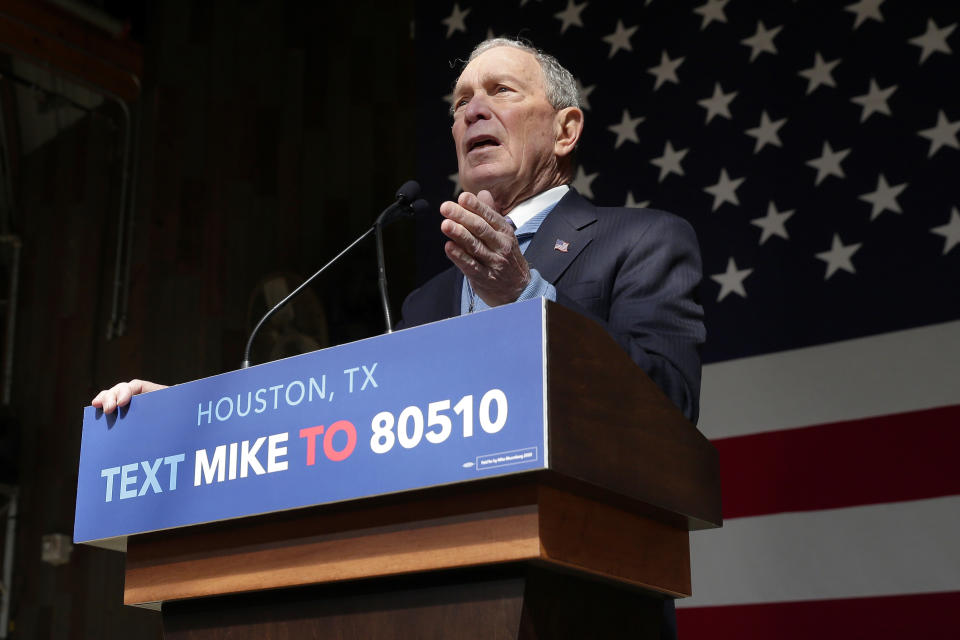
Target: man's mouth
<point>482,142</point>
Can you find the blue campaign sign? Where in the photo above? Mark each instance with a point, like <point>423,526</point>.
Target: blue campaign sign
<point>448,402</point>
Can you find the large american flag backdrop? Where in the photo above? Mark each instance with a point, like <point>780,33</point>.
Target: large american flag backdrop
<point>814,147</point>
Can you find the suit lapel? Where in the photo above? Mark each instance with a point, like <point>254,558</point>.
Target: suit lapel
<point>571,221</point>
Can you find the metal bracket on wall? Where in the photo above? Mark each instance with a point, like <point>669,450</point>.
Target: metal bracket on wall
<point>117,325</point>
<point>9,263</point>
<point>61,40</point>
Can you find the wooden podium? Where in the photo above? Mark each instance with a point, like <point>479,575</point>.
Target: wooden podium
<point>588,547</point>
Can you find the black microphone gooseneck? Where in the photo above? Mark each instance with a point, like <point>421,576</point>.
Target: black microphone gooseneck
<point>405,204</point>
<point>382,277</point>
<point>407,193</point>
<point>418,207</point>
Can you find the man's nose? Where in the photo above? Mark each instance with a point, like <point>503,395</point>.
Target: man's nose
<point>477,109</point>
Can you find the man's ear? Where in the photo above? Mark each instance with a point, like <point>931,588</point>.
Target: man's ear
<point>568,126</point>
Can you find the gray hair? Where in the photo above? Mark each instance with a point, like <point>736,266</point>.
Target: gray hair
<point>561,88</point>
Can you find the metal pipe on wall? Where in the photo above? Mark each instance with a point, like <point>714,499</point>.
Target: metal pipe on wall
<point>131,217</point>
<point>11,326</point>
<point>6,216</point>
<point>9,542</point>
<point>112,324</point>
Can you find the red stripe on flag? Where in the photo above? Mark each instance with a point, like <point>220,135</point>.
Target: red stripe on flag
<point>905,456</point>
<point>930,616</point>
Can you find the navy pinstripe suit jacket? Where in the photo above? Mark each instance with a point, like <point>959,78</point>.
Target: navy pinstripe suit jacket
<point>635,271</point>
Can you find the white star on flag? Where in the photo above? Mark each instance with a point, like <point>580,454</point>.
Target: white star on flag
<point>762,40</point>
<point>633,204</point>
<point>773,224</point>
<point>865,9</point>
<point>666,71</point>
<point>570,17</point>
<point>933,39</point>
<point>669,162</point>
<point>838,257</point>
<point>712,10</point>
<point>766,132</point>
<point>943,134</point>
<point>725,190</point>
<point>456,20</point>
<point>731,281</point>
<point>828,164</point>
<point>820,73</point>
<point>884,198</point>
<point>718,104</point>
<point>455,178</point>
<point>874,100</point>
<point>582,182</point>
<point>626,129</point>
<point>620,38</point>
<point>949,231</point>
<point>584,94</point>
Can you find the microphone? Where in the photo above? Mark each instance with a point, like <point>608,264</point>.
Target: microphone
<point>405,205</point>
<point>406,195</point>
<point>409,191</point>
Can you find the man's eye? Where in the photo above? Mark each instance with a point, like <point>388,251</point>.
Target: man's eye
<point>459,103</point>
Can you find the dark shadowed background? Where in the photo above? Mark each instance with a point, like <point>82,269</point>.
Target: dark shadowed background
<point>268,136</point>
<point>172,167</point>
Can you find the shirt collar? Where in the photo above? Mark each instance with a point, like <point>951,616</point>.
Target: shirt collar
<point>524,211</point>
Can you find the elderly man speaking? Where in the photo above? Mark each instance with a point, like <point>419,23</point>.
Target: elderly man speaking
<point>516,122</point>
<point>518,231</point>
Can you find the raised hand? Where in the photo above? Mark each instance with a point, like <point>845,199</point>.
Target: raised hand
<point>484,247</point>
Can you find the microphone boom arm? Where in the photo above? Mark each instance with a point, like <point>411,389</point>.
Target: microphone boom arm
<point>294,293</point>
<point>406,203</point>
<point>382,277</point>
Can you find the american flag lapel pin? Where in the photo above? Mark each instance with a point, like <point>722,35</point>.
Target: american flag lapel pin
<point>561,245</point>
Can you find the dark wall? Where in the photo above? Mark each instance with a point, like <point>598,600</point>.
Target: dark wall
<point>271,135</point>
<point>68,206</point>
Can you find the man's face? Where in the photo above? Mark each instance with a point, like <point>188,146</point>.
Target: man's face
<point>504,127</point>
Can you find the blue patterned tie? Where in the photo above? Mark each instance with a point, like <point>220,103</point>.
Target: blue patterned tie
<point>522,238</point>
